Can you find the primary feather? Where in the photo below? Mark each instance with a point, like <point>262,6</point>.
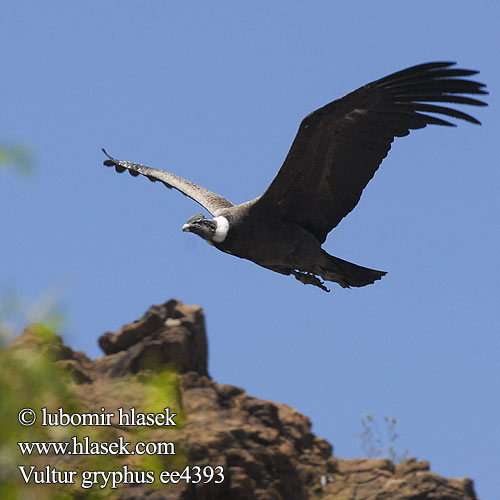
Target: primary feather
<point>339,147</point>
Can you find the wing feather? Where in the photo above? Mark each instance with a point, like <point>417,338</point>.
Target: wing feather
<point>339,147</point>
<point>207,199</point>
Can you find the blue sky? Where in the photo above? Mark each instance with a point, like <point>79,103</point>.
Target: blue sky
<point>215,92</point>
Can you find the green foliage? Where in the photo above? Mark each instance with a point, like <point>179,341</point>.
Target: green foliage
<point>15,312</point>
<point>377,443</point>
<point>30,377</point>
<point>16,157</point>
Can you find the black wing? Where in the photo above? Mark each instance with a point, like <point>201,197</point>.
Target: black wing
<point>339,147</point>
<point>207,199</point>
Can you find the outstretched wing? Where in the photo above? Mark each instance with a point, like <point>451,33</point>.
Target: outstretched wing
<point>207,199</point>
<point>339,147</point>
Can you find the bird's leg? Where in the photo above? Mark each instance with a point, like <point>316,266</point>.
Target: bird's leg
<point>309,279</point>
<point>303,277</point>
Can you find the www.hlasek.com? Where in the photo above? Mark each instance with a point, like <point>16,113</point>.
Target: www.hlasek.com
<point>48,474</point>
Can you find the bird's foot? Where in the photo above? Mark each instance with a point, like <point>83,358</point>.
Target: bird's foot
<point>310,279</point>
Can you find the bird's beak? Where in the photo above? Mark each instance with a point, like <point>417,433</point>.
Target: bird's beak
<point>186,228</point>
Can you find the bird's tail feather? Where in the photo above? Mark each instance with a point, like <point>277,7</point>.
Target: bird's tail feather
<point>347,274</point>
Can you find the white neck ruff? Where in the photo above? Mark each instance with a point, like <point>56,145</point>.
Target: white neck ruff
<point>222,229</point>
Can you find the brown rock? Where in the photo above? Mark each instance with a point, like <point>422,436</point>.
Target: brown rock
<point>172,333</point>
<point>267,449</point>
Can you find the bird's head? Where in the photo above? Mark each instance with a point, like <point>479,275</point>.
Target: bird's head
<point>211,230</point>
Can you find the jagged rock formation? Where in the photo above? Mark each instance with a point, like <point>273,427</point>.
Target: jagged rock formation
<point>267,449</point>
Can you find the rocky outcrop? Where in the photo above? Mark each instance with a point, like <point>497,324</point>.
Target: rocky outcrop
<point>267,449</point>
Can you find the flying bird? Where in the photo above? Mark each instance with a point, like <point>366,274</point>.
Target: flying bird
<point>336,152</point>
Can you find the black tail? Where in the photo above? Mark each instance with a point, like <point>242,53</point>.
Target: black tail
<point>347,274</point>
